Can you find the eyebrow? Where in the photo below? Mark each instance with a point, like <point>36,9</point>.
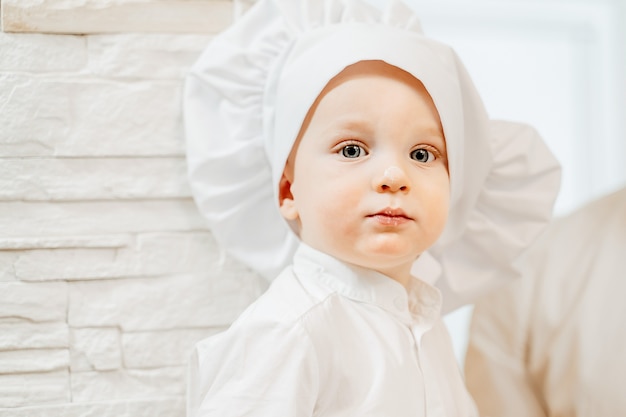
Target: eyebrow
<point>351,122</point>
<point>360,124</point>
<point>350,125</point>
<point>435,134</point>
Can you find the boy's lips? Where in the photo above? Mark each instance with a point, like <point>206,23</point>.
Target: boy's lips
<point>391,217</point>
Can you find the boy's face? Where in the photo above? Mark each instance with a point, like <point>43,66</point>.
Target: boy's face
<point>367,181</point>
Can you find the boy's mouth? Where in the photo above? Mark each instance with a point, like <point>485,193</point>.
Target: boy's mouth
<point>391,217</point>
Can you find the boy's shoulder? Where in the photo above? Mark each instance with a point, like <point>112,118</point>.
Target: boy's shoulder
<point>267,341</point>
<point>285,303</point>
<point>286,300</point>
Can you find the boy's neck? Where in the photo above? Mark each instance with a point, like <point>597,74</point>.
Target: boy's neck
<point>400,273</point>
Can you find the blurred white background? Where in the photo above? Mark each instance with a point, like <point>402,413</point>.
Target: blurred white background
<point>558,65</point>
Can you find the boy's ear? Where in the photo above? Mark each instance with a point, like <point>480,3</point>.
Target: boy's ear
<point>285,199</point>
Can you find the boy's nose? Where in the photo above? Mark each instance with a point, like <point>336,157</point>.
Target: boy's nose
<point>393,179</point>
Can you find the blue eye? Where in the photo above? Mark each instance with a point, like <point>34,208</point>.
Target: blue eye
<point>422,155</point>
<point>352,151</point>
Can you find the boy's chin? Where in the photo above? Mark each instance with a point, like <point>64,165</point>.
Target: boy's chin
<point>390,248</point>
<point>385,258</point>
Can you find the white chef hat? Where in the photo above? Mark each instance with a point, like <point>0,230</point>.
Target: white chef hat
<point>246,98</point>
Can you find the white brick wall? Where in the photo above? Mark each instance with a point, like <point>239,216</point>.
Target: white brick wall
<point>108,275</point>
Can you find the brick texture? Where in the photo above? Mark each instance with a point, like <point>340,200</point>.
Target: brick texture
<point>108,275</point>
<point>113,16</point>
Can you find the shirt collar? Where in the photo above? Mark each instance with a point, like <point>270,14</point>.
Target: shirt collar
<point>420,305</point>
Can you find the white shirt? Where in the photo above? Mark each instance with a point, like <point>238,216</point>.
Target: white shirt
<point>554,342</point>
<point>328,339</point>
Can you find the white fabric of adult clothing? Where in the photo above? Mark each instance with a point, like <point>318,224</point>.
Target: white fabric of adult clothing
<point>552,343</point>
<point>331,339</point>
